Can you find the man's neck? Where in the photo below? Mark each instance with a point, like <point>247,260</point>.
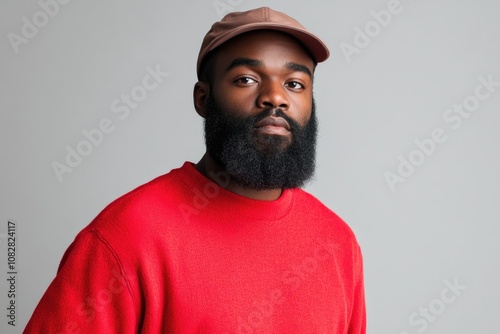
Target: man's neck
<point>208,167</point>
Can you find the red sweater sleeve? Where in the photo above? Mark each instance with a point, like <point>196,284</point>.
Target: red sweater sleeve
<point>357,323</point>
<point>90,294</point>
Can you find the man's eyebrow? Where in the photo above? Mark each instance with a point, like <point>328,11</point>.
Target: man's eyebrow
<point>244,62</point>
<point>299,68</point>
<point>257,63</point>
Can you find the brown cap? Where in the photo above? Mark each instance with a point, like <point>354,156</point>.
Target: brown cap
<point>236,23</point>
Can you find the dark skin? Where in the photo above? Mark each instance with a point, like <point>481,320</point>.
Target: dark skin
<point>254,72</point>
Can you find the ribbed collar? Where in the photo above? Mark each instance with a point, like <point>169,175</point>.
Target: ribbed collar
<point>228,200</point>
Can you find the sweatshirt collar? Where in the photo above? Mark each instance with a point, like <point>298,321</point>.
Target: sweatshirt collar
<point>222,200</point>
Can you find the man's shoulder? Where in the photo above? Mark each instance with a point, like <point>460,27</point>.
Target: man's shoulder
<point>157,198</point>
<point>305,198</point>
<point>146,194</point>
<point>132,226</point>
<point>316,210</point>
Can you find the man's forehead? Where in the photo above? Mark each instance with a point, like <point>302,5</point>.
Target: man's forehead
<point>250,48</point>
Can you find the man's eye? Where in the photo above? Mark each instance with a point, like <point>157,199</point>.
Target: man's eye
<point>245,80</point>
<point>294,85</point>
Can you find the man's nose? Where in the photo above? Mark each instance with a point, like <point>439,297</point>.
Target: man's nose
<point>273,95</point>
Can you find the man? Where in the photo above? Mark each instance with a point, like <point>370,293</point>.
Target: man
<point>230,244</point>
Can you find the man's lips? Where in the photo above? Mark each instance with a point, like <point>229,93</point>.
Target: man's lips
<point>273,125</point>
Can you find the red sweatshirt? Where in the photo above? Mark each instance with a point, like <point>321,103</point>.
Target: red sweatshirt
<point>182,255</point>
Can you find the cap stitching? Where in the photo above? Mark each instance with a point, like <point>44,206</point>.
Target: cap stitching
<point>266,14</point>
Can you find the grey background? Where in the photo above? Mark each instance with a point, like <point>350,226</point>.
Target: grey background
<point>440,224</point>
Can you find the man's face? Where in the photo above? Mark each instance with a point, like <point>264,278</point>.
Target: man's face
<point>260,121</point>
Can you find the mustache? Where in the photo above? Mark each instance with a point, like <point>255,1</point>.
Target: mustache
<point>276,112</point>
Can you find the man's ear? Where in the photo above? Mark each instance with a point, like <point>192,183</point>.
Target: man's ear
<point>200,94</point>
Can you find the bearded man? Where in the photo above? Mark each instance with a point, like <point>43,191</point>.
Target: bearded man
<point>231,244</point>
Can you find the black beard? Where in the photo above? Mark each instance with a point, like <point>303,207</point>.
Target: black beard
<point>267,163</point>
